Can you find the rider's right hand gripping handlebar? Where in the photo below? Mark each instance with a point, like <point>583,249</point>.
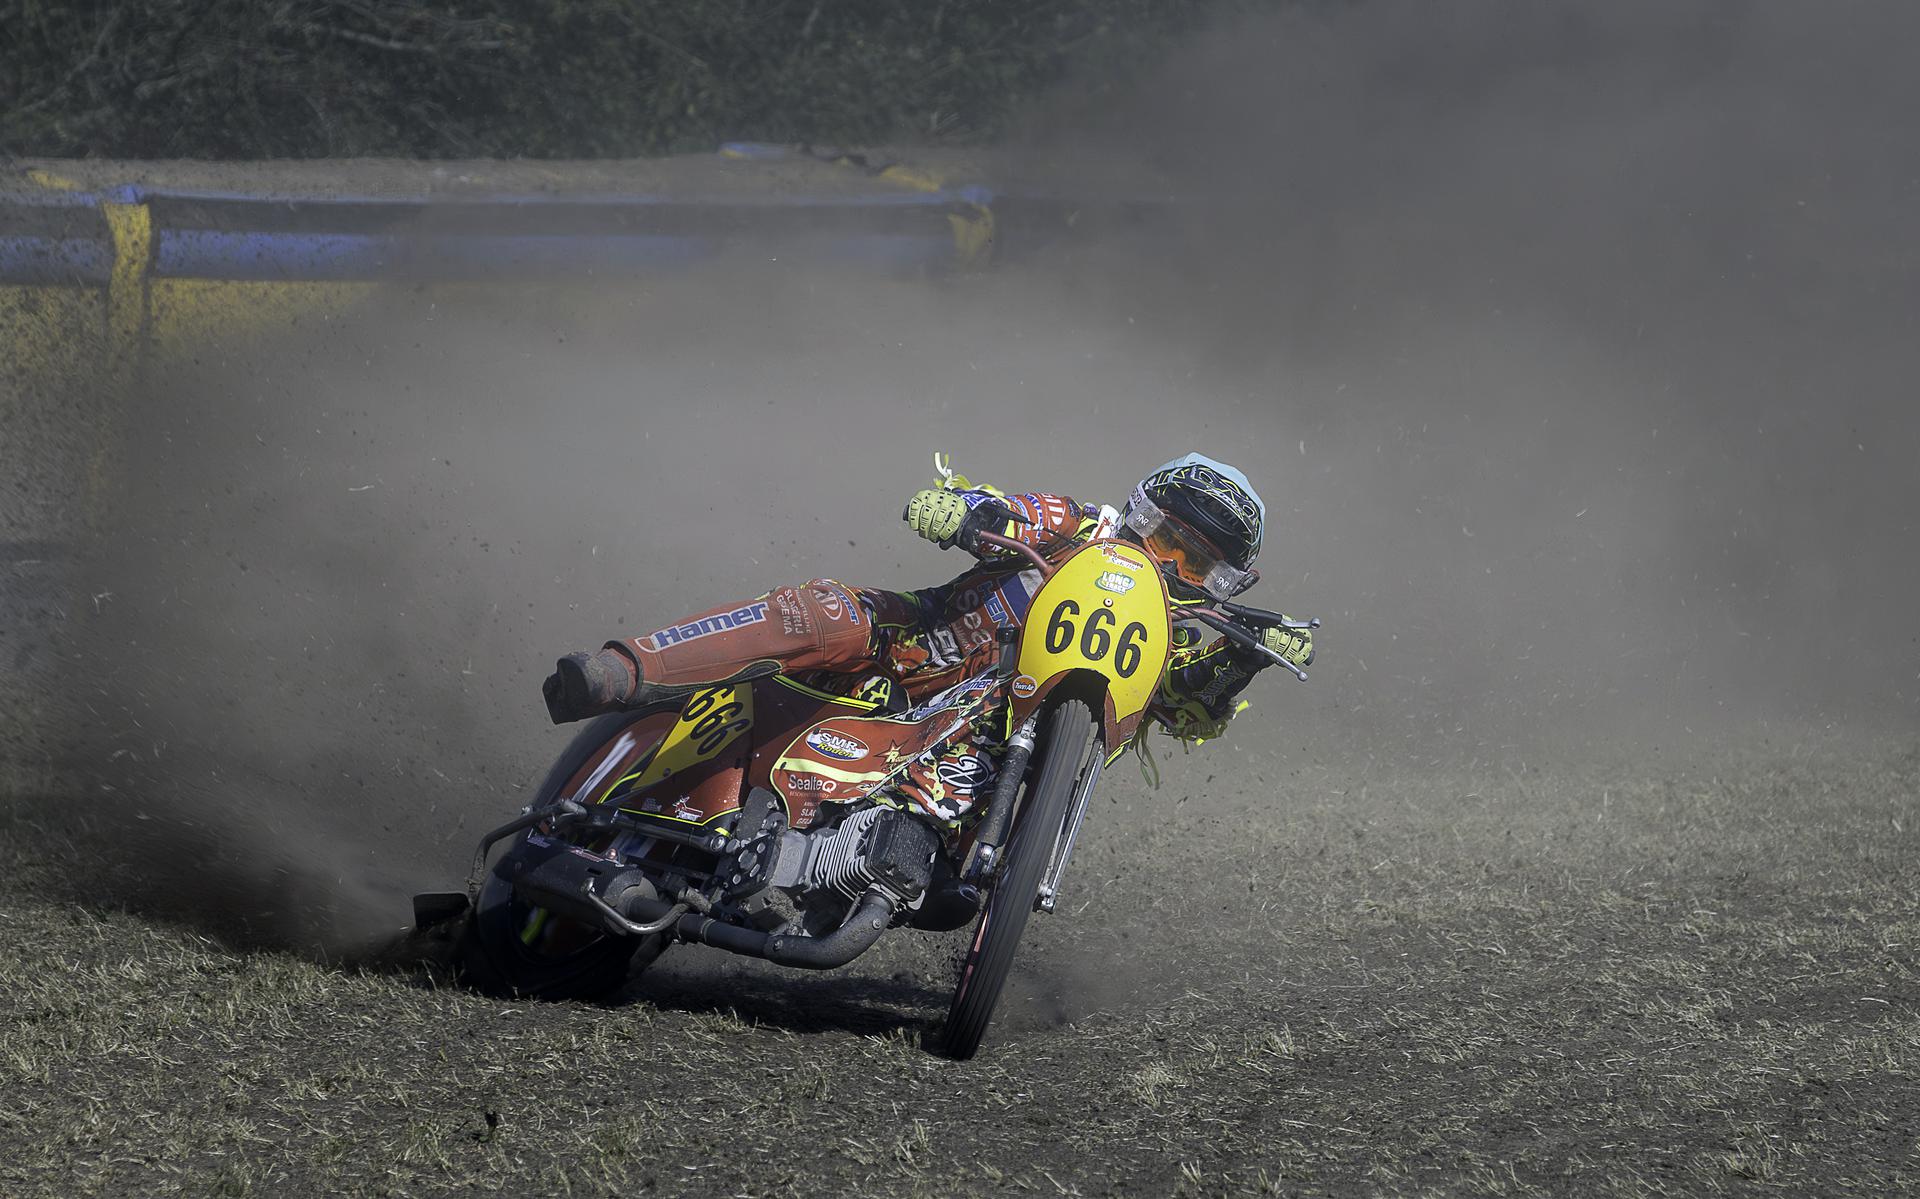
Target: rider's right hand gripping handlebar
<point>1239,634</point>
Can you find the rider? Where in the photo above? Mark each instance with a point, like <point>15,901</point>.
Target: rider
<point>898,648</point>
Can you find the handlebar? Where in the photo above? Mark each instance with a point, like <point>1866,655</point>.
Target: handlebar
<point>1219,616</point>
<point>1261,616</point>
<point>1045,567</point>
<point>1238,633</point>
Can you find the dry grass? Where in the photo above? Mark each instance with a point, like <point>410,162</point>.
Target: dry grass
<point>1681,984</point>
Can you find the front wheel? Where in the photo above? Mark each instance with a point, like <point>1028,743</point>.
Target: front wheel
<point>1037,827</point>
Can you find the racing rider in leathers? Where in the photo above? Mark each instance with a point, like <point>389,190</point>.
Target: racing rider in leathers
<point>899,648</point>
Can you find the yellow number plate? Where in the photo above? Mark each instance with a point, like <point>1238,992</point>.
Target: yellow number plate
<point>712,720</point>
<point>1105,610</point>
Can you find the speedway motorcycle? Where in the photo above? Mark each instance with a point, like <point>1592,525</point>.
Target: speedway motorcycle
<point>756,818</point>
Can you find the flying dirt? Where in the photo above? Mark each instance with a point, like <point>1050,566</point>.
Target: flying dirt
<point>1571,350</point>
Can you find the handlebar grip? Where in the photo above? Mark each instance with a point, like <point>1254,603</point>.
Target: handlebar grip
<point>1237,634</point>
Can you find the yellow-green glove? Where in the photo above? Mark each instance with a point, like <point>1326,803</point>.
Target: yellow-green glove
<point>937,515</point>
<point>1295,645</point>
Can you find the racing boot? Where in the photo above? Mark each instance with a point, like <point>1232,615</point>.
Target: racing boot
<point>611,680</point>
<point>584,685</point>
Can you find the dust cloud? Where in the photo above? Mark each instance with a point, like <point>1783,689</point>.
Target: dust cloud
<point>1570,349</point>
<point>1576,342</point>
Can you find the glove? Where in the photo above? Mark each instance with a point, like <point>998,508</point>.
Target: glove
<point>1295,645</point>
<point>937,515</point>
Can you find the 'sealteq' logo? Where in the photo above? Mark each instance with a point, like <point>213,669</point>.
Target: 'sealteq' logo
<point>811,782</point>
<point>836,745</point>
<point>1114,581</point>
<point>706,626</point>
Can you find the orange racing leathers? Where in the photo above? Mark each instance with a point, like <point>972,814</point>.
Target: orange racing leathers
<point>899,649</point>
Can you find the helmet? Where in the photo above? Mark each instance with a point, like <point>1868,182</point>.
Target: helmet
<point>1202,520</point>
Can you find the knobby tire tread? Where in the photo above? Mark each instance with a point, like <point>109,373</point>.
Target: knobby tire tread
<point>1070,729</point>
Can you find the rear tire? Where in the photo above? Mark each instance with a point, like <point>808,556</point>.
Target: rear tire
<point>492,959</point>
<point>490,955</point>
<point>1036,830</point>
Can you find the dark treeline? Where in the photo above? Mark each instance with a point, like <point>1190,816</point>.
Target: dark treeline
<point>540,78</point>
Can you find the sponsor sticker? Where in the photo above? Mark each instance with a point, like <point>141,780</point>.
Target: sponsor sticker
<point>707,626</point>
<point>965,774</point>
<point>997,611</point>
<point>1121,558</point>
<point>811,782</point>
<point>1025,685</point>
<point>794,621</point>
<point>836,603</point>
<point>836,745</point>
<point>1114,581</point>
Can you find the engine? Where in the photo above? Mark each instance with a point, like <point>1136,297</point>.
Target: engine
<point>873,847</point>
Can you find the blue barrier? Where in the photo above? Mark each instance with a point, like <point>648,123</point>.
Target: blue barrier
<point>60,238</point>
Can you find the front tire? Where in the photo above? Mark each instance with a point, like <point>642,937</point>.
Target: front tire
<point>1036,831</point>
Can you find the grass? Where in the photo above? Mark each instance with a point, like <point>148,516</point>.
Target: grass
<point>1698,981</point>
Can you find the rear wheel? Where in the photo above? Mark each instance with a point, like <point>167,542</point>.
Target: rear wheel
<point>1037,826</point>
<point>515,950</point>
<point>511,948</point>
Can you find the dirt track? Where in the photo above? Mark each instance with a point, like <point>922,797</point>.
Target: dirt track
<point>1528,985</point>
<point>1582,866</point>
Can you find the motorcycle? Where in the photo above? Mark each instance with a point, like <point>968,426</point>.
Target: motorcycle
<point>756,818</point>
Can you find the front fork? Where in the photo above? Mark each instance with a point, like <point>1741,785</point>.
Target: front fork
<point>1063,848</point>
<point>983,861</point>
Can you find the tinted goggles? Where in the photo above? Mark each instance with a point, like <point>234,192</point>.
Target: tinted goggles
<point>1177,545</point>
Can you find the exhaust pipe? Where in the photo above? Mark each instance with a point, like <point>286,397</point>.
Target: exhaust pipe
<point>624,902</point>
<point>837,948</point>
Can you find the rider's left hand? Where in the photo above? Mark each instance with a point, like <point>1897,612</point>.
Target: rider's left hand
<point>1295,645</point>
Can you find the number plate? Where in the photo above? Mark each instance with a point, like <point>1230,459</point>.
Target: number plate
<point>712,720</point>
<point>1080,620</point>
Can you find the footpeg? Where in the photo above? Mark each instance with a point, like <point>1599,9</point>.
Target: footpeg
<point>951,903</point>
<point>438,907</point>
